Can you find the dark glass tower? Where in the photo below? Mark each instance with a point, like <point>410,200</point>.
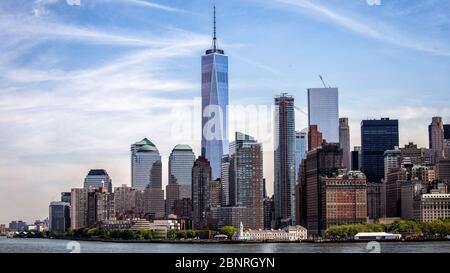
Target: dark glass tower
<point>214,105</point>
<point>377,136</point>
<point>447,131</point>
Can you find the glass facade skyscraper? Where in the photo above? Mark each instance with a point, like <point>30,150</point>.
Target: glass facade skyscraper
<point>284,160</point>
<point>214,106</point>
<point>97,178</point>
<point>181,161</point>
<point>301,147</point>
<point>145,165</point>
<point>323,111</point>
<point>377,136</point>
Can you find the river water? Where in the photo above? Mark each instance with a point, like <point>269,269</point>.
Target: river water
<point>9,245</point>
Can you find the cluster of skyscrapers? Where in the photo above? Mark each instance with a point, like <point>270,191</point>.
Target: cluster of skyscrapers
<point>318,180</point>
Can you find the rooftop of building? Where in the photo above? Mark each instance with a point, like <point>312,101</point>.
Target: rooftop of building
<point>144,141</point>
<point>59,203</point>
<point>369,234</point>
<point>345,174</point>
<point>147,148</point>
<point>182,147</point>
<point>97,172</point>
<point>435,196</point>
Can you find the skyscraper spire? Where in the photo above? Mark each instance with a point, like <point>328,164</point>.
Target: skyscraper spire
<point>215,38</point>
<point>214,48</point>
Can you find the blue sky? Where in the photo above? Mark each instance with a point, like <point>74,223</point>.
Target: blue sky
<point>82,80</point>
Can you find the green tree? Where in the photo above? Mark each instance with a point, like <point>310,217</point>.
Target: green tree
<point>191,234</point>
<point>228,231</point>
<point>181,234</point>
<point>172,234</point>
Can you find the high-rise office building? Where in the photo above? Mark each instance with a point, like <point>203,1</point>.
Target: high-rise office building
<point>127,202</point>
<point>284,160</point>
<point>146,165</point>
<point>181,161</point>
<point>59,216</point>
<point>172,194</point>
<point>323,111</point>
<point>344,141</point>
<point>65,197</point>
<point>183,208</point>
<point>104,205</point>
<point>268,212</point>
<point>377,136</point>
<point>392,161</point>
<point>321,162</point>
<point>98,178</point>
<point>418,156</point>
<point>443,170</point>
<point>248,178</point>
<point>315,138</point>
<point>376,202</point>
<point>201,175</point>
<point>356,158</point>
<point>154,204</point>
<point>79,207</point>
<point>225,174</point>
<point>301,147</point>
<point>436,138</point>
<point>447,131</point>
<point>214,193</point>
<point>214,105</point>
<point>133,149</point>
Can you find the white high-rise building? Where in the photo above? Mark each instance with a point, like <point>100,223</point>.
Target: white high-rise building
<point>145,165</point>
<point>323,111</point>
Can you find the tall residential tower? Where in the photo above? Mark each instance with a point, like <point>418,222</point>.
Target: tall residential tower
<point>284,160</point>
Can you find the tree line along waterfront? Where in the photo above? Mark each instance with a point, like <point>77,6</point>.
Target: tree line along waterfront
<point>410,229</point>
<point>128,234</point>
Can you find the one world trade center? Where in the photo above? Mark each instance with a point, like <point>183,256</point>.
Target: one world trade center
<point>214,105</point>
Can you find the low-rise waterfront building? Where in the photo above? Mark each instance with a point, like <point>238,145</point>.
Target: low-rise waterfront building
<point>287,234</point>
<point>372,236</point>
<point>117,224</point>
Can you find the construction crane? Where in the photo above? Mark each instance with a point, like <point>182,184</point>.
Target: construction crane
<point>321,78</point>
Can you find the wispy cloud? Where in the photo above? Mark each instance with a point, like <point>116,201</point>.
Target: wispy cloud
<point>383,32</point>
<point>73,119</point>
<point>149,4</point>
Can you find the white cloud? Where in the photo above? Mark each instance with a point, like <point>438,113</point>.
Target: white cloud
<point>58,122</point>
<point>73,2</point>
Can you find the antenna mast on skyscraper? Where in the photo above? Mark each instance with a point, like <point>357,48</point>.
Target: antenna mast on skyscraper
<point>215,38</point>
<point>321,78</point>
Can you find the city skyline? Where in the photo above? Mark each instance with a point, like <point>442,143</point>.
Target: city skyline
<point>33,127</point>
